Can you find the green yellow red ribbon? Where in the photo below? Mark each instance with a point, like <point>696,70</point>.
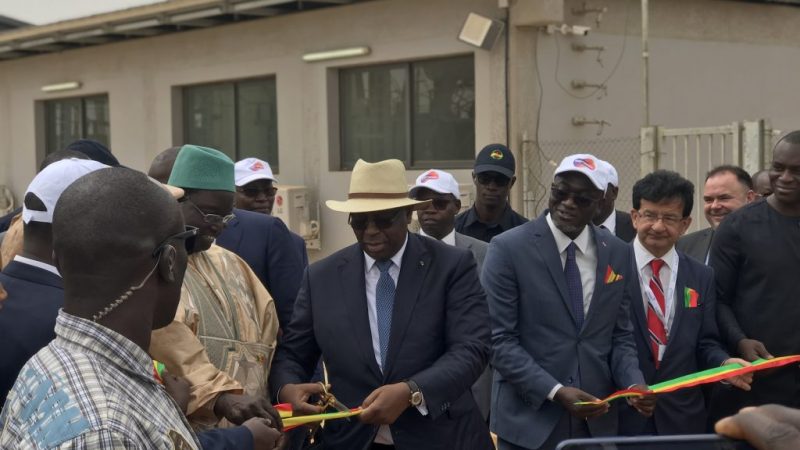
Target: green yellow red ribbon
<point>290,421</point>
<point>703,377</point>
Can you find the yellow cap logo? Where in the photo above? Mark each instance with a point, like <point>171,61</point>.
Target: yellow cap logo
<point>496,154</point>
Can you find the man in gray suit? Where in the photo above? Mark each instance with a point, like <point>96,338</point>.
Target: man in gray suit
<point>727,189</point>
<point>561,329</point>
<point>437,221</point>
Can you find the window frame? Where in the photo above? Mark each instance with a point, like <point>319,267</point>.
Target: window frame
<point>48,148</point>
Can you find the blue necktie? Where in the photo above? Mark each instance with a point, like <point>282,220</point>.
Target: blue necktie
<point>574,285</point>
<point>384,303</point>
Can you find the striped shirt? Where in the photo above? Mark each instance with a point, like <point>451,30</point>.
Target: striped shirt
<point>91,388</point>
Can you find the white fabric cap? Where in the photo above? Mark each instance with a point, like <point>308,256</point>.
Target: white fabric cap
<point>609,172</point>
<point>437,181</point>
<point>252,169</point>
<point>586,164</point>
<point>52,181</point>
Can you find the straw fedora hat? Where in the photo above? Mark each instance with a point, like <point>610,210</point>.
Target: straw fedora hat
<point>376,187</point>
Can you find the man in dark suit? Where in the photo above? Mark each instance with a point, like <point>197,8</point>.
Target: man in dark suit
<point>437,220</point>
<point>727,189</point>
<point>613,220</point>
<point>405,335</point>
<point>561,330</point>
<point>36,292</point>
<point>262,241</point>
<point>673,308</point>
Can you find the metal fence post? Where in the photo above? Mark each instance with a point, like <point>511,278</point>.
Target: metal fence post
<point>753,140</point>
<point>648,152</point>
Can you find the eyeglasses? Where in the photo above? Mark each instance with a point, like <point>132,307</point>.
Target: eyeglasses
<point>499,180</point>
<point>560,195</point>
<point>211,219</point>
<point>668,220</point>
<point>382,221</point>
<point>188,237</point>
<point>255,192</point>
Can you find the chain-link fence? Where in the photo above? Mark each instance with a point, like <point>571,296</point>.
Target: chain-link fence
<point>540,161</point>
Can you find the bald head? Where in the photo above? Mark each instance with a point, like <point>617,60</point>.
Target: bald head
<point>162,164</point>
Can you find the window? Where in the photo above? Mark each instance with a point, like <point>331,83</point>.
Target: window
<point>70,119</point>
<point>420,112</point>
<point>239,118</point>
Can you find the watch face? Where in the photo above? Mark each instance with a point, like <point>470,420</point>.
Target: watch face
<point>416,398</point>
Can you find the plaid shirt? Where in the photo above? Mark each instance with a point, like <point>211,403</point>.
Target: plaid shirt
<point>91,388</point>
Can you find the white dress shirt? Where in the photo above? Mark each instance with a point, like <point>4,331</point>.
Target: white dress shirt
<point>610,223</point>
<point>450,239</point>
<point>32,262</point>
<point>668,281</point>
<point>586,258</point>
<point>372,274</point>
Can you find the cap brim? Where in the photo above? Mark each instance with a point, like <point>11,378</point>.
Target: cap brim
<point>492,168</point>
<point>254,177</point>
<point>415,189</point>
<point>362,205</point>
<point>597,183</point>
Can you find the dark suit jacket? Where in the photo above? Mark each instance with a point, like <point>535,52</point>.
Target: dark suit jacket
<point>623,227</point>
<point>697,244</point>
<point>439,339</point>
<point>535,344</point>
<point>693,346</point>
<point>269,249</point>
<point>27,317</point>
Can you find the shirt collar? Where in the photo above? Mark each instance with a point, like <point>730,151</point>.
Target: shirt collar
<point>611,222</point>
<point>105,342</point>
<point>32,262</point>
<point>449,239</point>
<point>504,222</point>
<point>396,259</point>
<point>563,241</point>
<point>643,256</point>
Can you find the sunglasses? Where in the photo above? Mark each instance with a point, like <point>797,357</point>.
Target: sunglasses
<point>582,201</point>
<point>499,180</point>
<point>440,204</point>
<point>360,221</point>
<point>255,192</point>
<point>188,237</point>
<point>211,219</point>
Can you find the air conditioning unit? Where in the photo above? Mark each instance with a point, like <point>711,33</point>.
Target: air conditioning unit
<point>292,207</point>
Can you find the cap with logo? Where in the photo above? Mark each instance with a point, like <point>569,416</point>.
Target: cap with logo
<point>437,181</point>
<point>609,173</point>
<point>252,169</point>
<point>50,183</point>
<point>495,158</point>
<point>586,164</point>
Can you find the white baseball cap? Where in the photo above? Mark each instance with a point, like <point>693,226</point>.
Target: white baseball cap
<point>609,172</point>
<point>437,181</point>
<point>48,185</point>
<point>252,169</point>
<point>586,164</point>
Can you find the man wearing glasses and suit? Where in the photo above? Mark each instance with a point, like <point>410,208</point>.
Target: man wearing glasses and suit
<point>401,322</point>
<point>491,214</point>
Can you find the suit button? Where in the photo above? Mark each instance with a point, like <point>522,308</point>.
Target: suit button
<point>569,380</point>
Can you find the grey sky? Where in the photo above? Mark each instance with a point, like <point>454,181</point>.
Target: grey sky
<point>39,12</point>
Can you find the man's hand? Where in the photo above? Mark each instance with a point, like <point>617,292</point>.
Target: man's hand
<point>265,437</point>
<point>298,395</point>
<point>178,388</point>
<point>751,350</point>
<point>768,427</point>
<point>645,404</point>
<point>568,396</point>
<point>3,295</point>
<point>742,382</point>
<point>238,408</point>
<point>385,404</point>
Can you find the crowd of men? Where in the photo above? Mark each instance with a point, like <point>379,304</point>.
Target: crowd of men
<point>171,310</point>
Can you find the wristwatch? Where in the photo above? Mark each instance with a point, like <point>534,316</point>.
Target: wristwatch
<point>416,395</point>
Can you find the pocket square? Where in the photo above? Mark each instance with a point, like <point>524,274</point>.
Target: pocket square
<point>611,276</point>
<point>690,298</point>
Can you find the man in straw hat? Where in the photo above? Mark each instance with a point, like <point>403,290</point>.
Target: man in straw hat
<point>401,321</point>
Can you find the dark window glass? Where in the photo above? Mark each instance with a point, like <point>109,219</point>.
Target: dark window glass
<point>70,119</point>
<point>238,118</point>
<point>421,112</point>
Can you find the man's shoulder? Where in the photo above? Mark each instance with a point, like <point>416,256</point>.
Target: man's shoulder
<point>464,241</point>
<point>516,218</point>
<point>244,215</point>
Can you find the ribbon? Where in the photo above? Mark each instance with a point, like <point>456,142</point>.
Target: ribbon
<point>698,378</point>
<point>158,371</point>
<point>290,421</point>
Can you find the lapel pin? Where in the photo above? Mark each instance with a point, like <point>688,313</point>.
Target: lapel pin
<point>422,263</point>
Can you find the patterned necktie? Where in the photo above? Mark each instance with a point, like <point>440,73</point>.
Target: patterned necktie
<point>384,303</point>
<point>655,323</point>
<point>574,285</point>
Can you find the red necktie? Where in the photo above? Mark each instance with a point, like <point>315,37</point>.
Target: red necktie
<point>657,328</point>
